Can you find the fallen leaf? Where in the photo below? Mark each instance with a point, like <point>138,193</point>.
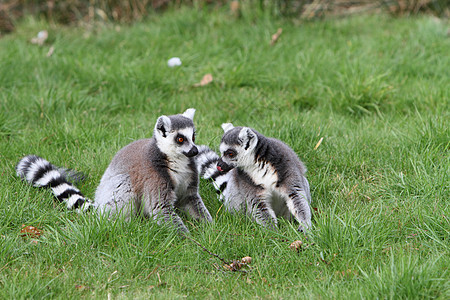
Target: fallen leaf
<point>246,260</point>
<point>234,266</point>
<point>207,79</point>
<point>276,36</point>
<point>30,231</point>
<point>296,245</point>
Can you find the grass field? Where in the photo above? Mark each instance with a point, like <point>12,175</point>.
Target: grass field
<point>375,89</point>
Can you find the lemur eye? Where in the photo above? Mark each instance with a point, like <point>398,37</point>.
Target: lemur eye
<point>180,139</point>
<point>193,138</point>
<point>230,153</point>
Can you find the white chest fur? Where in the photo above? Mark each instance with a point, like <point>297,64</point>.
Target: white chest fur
<point>180,173</point>
<point>263,174</point>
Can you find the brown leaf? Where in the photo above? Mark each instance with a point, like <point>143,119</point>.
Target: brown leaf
<point>234,266</point>
<point>246,260</point>
<point>207,79</point>
<point>296,245</point>
<point>30,231</point>
<point>237,265</point>
<point>276,36</point>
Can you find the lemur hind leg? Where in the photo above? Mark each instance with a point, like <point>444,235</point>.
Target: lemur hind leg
<point>115,196</point>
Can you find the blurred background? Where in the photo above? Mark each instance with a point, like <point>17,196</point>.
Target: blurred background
<point>127,11</point>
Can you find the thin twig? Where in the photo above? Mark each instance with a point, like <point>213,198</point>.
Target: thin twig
<point>206,250</point>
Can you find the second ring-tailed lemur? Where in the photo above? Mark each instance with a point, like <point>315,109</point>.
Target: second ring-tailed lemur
<point>258,175</point>
<point>152,176</point>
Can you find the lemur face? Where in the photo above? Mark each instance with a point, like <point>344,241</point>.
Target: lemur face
<point>175,135</point>
<point>229,158</point>
<point>184,141</point>
<point>236,147</point>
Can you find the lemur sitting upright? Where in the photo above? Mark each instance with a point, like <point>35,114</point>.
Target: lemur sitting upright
<point>258,175</point>
<point>152,176</point>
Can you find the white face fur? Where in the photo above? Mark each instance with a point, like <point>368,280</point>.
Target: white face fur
<point>175,142</point>
<point>240,152</point>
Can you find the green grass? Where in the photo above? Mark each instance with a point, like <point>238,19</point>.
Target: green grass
<point>376,89</point>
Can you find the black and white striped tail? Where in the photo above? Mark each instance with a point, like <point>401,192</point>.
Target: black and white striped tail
<point>41,173</point>
<point>206,160</point>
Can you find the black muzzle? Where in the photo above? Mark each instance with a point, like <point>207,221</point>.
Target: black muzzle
<point>223,167</point>
<point>193,152</point>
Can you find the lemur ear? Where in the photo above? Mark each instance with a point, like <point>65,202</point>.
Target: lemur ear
<point>163,125</point>
<point>248,138</point>
<point>227,127</point>
<point>189,113</point>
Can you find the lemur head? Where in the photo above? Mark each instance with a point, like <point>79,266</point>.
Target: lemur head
<point>175,134</point>
<point>236,147</point>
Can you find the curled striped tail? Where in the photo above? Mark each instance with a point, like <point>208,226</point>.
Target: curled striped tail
<point>206,161</point>
<point>41,173</point>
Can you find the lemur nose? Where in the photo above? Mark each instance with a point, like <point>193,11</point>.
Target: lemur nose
<point>192,152</point>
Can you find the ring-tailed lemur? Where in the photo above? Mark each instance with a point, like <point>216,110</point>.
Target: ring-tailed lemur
<point>152,176</point>
<point>258,175</point>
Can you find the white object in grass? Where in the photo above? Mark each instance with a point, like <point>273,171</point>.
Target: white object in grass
<point>174,62</point>
<point>42,34</point>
